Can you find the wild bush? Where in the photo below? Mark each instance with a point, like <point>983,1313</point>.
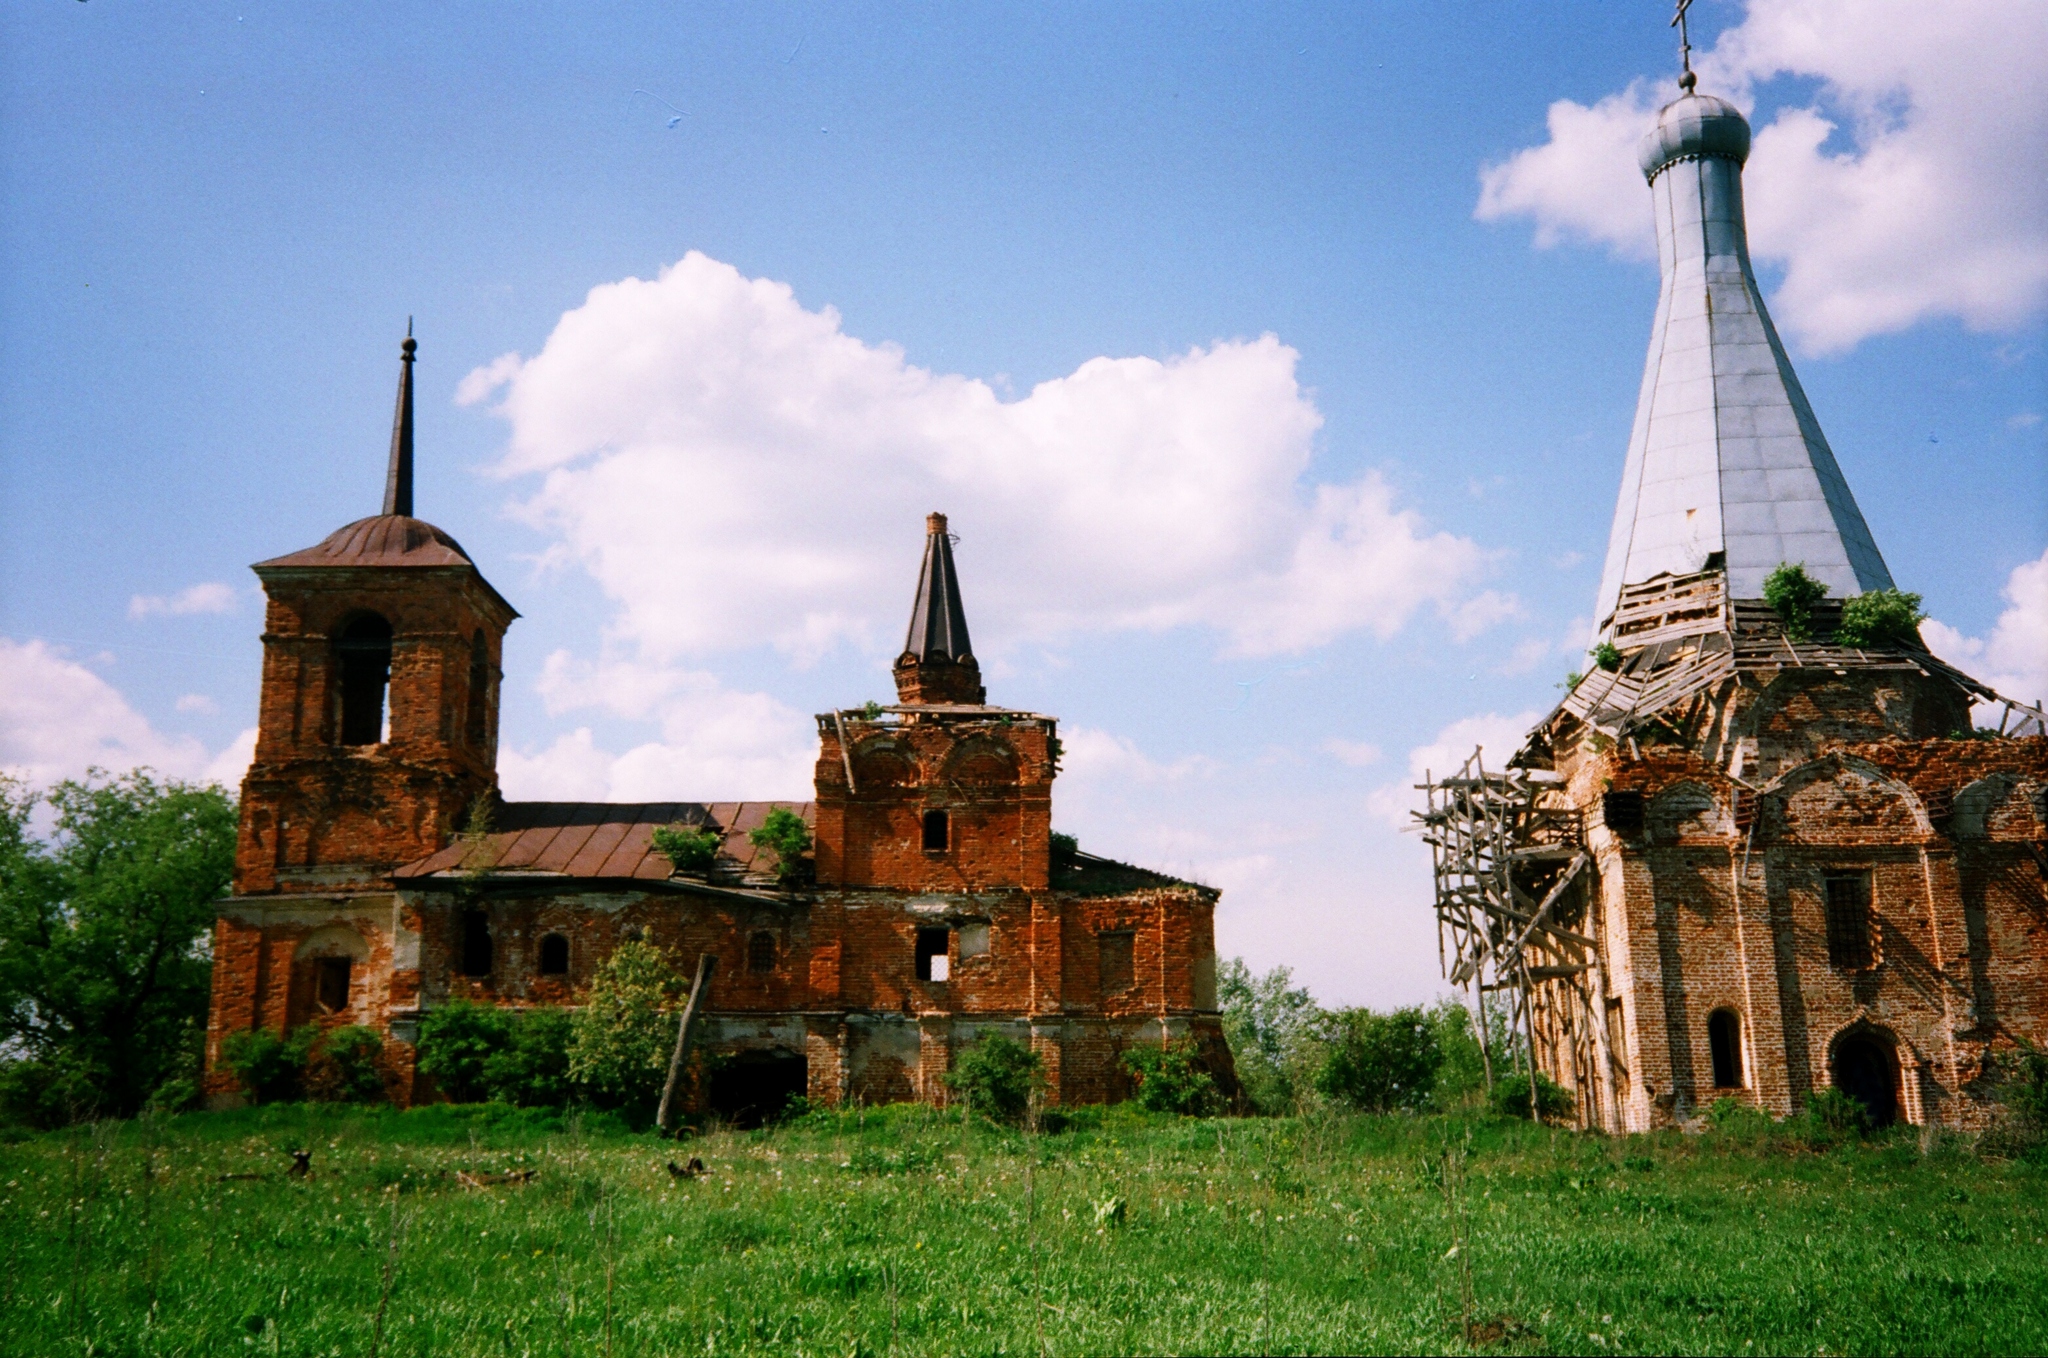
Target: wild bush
<point>620,1041</point>
<point>1606,656</point>
<point>457,1041</point>
<point>2021,1131</point>
<point>688,848</point>
<point>1792,593</point>
<point>1831,1116</point>
<point>343,1065</point>
<point>1880,617</point>
<point>785,834</point>
<point>1380,1063</point>
<point>997,1076</point>
<point>1510,1097</point>
<point>271,1066</point>
<point>1172,1079</point>
<point>531,1070</point>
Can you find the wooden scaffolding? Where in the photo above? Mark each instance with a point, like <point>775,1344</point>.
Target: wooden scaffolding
<point>1516,926</point>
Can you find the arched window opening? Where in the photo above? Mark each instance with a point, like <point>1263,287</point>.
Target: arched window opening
<point>554,955</point>
<point>476,943</point>
<point>330,984</point>
<point>937,832</point>
<point>761,952</point>
<point>1724,1038</point>
<point>365,655</point>
<point>476,719</point>
<point>1867,1070</point>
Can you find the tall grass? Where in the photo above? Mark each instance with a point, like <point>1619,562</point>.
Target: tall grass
<point>901,1231</point>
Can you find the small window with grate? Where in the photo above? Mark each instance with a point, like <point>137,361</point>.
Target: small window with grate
<point>933,964</point>
<point>1850,943</point>
<point>937,832</point>
<point>761,951</point>
<point>554,955</point>
<point>1113,956</point>
<point>330,984</point>
<point>476,943</point>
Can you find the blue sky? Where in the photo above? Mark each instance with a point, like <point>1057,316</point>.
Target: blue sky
<point>217,220</point>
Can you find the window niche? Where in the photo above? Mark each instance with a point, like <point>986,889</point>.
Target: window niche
<point>554,955</point>
<point>933,947</point>
<point>364,653</point>
<point>476,724</point>
<point>1113,958</point>
<point>330,984</point>
<point>1724,1041</point>
<point>1846,899</point>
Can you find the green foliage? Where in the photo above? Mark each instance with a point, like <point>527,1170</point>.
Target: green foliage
<point>688,848</point>
<point>1792,593</point>
<point>871,710</point>
<point>1606,656</point>
<point>1461,1078</point>
<point>1880,617</point>
<point>1834,1114</point>
<point>103,939</point>
<point>457,1041</point>
<point>785,833</point>
<point>532,1069</point>
<point>270,1065</point>
<point>997,1076</point>
<point>342,1066</point>
<point>621,1040</point>
<point>1270,1025</point>
<point>1739,1120</point>
<point>1380,1063</point>
<point>1172,1079</point>
<point>1064,847</point>
<point>1510,1097</point>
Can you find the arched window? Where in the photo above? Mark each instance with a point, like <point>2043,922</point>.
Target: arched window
<point>761,951</point>
<point>476,943</point>
<point>476,720</point>
<point>1724,1038</point>
<point>365,654</point>
<point>936,832</point>
<point>554,955</point>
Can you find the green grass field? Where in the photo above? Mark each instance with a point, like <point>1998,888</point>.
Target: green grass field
<point>903,1231</point>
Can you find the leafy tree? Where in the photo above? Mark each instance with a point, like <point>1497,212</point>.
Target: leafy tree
<point>996,1077</point>
<point>621,1040</point>
<point>689,848</point>
<point>1792,593</point>
<point>103,939</point>
<point>1880,617</point>
<point>1380,1063</point>
<point>1270,1025</point>
<point>785,833</point>
<point>532,1069</point>
<point>457,1041</point>
<point>1172,1079</point>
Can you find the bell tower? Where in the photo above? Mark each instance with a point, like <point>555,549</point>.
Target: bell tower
<point>378,724</point>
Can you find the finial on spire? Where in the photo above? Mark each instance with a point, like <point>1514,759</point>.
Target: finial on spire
<point>398,479</point>
<point>1688,80</point>
<point>937,664</point>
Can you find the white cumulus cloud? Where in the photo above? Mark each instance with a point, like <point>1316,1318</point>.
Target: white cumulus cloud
<point>734,469</point>
<point>210,597</point>
<point>1914,185</point>
<point>2014,658</point>
<point>58,719</point>
<point>1496,736</point>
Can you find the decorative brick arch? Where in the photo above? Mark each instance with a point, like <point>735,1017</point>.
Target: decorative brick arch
<point>982,762</point>
<point>1780,795</point>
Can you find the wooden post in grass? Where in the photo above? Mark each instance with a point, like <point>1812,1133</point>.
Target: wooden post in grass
<point>706,964</point>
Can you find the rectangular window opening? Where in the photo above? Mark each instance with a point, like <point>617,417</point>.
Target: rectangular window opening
<point>330,984</point>
<point>933,962</point>
<point>937,832</point>
<point>476,943</point>
<point>1848,912</point>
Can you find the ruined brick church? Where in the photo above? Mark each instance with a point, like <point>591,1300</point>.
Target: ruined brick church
<point>934,907</point>
<point>1744,859</point>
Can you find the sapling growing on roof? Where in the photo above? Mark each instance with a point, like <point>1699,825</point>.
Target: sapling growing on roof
<point>689,848</point>
<point>1880,617</point>
<point>785,833</point>
<point>1792,593</point>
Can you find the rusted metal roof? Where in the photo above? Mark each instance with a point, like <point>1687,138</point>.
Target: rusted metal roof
<point>382,540</point>
<point>609,840</point>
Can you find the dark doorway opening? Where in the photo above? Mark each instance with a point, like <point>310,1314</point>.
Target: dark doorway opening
<point>476,943</point>
<point>933,962</point>
<point>365,654</point>
<point>554,955</point>
<point>1868,1072</point>
<point>753,1087</point>
<point>1724,1036</point>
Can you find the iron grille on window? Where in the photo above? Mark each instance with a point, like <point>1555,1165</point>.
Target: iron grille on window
<point>1848,910</point>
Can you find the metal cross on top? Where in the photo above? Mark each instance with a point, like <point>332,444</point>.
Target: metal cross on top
<point>1688,80</point>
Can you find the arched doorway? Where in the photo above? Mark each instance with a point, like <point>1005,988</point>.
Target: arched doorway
<point>1867,1071</point>
<point>753,1087</point>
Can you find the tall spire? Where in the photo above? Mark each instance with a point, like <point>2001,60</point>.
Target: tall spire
<point>1726,464</point>
<point>398,479</point>
<point>938,664</point>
